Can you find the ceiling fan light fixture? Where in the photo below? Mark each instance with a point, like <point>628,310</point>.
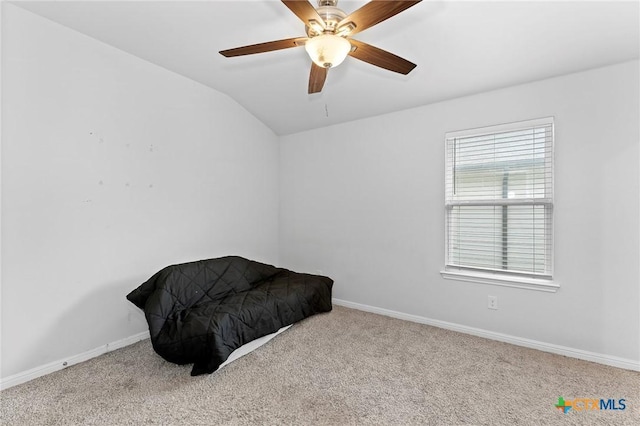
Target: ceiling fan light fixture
<point>328,50</point>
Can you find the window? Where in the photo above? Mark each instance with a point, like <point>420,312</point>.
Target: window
<point>499,204</point>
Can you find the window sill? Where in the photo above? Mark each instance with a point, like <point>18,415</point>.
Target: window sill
<point>493,279</point>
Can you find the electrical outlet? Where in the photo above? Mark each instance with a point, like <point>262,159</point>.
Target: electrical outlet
<point>492,302</point>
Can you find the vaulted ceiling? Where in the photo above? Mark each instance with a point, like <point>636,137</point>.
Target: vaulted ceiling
<point>460,47</point>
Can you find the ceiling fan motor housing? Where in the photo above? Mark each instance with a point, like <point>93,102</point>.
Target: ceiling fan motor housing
<point>331,15</point>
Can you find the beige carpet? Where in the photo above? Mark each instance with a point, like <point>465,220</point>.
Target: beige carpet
<point>344,367</point>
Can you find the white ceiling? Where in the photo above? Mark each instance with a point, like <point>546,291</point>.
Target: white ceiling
<point>460,47</point>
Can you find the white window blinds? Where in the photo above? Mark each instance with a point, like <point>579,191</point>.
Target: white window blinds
<point>499,198</point>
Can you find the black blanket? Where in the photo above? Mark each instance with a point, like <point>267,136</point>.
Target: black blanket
<point>200,312</point>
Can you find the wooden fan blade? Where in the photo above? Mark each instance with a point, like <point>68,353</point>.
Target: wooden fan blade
<point>380,58</point>
<point>264,47</point>
<point>316,78</point>
<point>305,11</point>
<point>375,12</point>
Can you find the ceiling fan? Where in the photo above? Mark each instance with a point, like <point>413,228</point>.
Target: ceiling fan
<point>329,41</point>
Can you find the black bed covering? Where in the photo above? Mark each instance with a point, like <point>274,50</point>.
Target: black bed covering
<point>200,312</point>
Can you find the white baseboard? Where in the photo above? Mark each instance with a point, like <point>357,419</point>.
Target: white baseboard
<point>627,364</point>
<point>36,372</point>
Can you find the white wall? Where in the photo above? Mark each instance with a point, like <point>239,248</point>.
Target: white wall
<point>363,202</point>
<point>113,168</point>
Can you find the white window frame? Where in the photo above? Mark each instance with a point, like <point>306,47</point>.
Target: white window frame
<point>477,275</point>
